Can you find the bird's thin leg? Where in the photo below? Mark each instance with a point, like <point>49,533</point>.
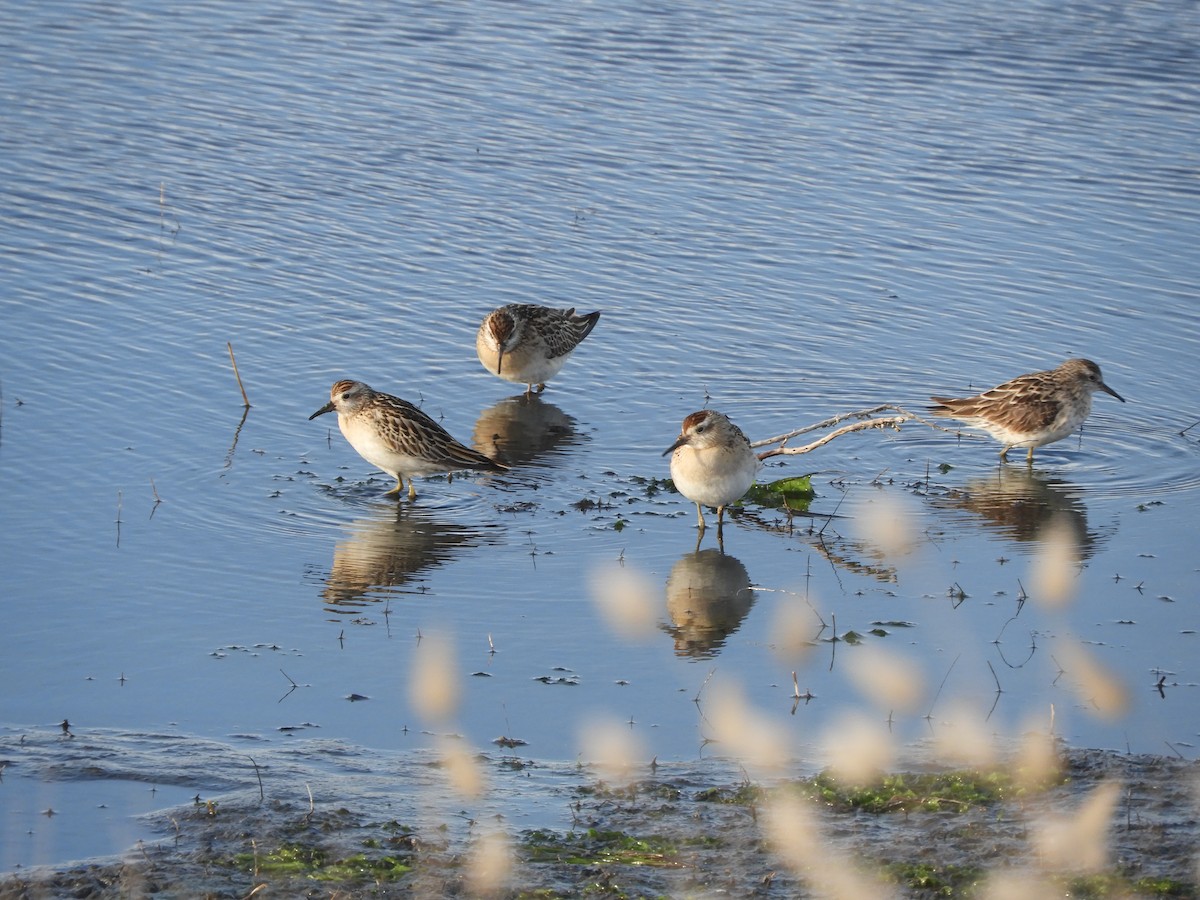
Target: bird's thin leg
<point>412,490</point>
<point>700,517</point>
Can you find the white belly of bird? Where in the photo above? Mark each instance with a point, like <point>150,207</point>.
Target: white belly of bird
<point>712,477</point>
<point>530,368</point>
<point>371,446</point>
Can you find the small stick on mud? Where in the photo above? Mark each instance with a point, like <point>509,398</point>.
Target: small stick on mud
<point>241,387</point>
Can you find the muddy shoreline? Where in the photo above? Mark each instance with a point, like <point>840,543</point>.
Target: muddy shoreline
<point>679,832</point>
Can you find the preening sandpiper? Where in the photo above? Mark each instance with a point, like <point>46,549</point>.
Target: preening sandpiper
<point>529,344</point>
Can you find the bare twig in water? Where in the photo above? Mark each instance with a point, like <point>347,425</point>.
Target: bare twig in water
<point>237,375</point>
<point>261,794</point>
<point>829,423</point>
<point>1190,427</point>
<point>929,714</point>
<point>999,690</point>
<point>703,684</point>
<point>157,499</point>
<point>308,818</point>
<point>888,422</point>
<point>865,423</point>
<point>289,690</point>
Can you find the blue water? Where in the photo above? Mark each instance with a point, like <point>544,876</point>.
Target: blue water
<point>784,211</point>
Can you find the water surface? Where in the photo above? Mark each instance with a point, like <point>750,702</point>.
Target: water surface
<point>783,213</point>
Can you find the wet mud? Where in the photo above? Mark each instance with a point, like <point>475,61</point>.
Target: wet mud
<point>686,830</point>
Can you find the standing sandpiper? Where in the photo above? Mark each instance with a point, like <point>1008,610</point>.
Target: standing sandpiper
<point>1034,409</point>
<point>398,438</point>
<point>529,344</point>
<point>711,462</point>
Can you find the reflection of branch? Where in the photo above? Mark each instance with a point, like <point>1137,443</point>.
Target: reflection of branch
<point>999,691</point>
<point>157,499</point>
<point>236,434</point>
<point>839,552</point>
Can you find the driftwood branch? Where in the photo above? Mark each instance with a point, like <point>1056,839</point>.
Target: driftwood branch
<point>887,422</point>
<point>830,422</point>
<point>867,420</point>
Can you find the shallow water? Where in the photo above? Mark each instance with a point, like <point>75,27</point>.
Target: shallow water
<point>783,214</point>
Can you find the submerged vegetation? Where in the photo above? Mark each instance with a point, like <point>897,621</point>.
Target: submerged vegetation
<point>791,494</point>
<point>297,860</point>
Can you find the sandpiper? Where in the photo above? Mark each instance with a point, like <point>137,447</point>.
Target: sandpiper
<point>712,463</point>
<point>398,438</point>
<point>1031,410</point>
<point>529,344</point>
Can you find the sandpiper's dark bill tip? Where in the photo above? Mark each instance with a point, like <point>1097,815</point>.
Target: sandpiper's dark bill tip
<point>1106,388</point>
<point>328,407</point>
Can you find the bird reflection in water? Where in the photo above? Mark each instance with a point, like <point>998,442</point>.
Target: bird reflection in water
<point>386,554</point>
<point>519,429</point>
<point>1020,504</point>
<point>708,596</point>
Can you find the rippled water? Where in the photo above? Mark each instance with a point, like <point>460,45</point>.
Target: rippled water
<point>783,212</point>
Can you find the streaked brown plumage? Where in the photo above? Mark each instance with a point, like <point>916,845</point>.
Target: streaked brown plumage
<point>1031,410</point>
<point>398,438</point>
<point>529,344</point>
